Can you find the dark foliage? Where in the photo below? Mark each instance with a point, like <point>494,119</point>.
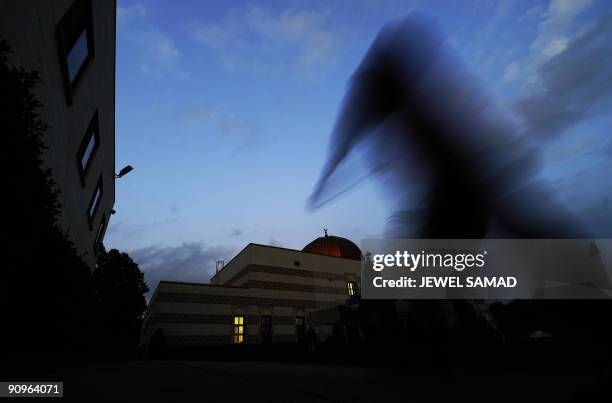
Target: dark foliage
<point>46,290</point>
<point>120,287</point>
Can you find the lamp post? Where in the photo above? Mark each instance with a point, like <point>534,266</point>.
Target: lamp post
<point>124,171</point>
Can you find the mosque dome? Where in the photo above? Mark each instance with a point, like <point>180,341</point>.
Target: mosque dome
<point>330,245</point>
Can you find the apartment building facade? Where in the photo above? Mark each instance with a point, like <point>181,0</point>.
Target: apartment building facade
<point>71,43</point>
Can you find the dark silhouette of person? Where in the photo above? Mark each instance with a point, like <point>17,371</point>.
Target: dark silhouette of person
<point>457,167</point>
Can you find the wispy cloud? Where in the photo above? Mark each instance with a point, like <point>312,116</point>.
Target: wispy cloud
<point>236,233</point>
<point>247,131</point>
<point>556,28</point>
<point>154,48</point>
<point>552,31</point>
<point>190,261</point>
<point>578,147</point>
<point>161,55</point>
<point>127,13</point>
<point>250,36</point>
<point>574,84</point>
<point>233,125</point>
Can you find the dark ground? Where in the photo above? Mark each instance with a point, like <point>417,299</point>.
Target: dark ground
<point>215,381</point>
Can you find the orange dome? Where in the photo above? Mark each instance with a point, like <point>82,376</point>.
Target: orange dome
<point>334,246</point>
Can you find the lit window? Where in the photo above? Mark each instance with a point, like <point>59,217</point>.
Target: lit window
<point>238,334</point>
<point>75,42</point>
<point>88,148</point>
<point>95,202</point>
<point>300,329</point>
<point>266,329</point>
<point>351,287</point>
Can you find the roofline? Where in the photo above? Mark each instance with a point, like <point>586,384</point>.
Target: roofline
<point>275,247</point>
<point>202,284</point>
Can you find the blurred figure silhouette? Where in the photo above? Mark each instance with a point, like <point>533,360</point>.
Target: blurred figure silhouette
<point>456,167</point>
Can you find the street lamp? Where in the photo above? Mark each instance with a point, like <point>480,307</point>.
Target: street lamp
<point>124,171</point>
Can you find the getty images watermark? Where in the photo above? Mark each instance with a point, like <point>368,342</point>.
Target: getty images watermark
<point>487,269</point>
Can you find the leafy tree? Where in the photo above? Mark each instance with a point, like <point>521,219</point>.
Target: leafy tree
<point>120,287</point>
<point>45,289</point>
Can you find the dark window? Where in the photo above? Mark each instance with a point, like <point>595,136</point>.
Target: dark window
<point>75,43</point>
<point>95,202</point>
<point>87,149</point>
<point>238,333</point>
<point>300,329</point>
<point>266,329</point>
<point>100,234</point>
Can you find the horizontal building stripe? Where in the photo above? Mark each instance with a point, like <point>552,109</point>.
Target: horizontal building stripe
<point>198,340</point>
<point>191,318</point>
<point>274,285</point>
<point>284,270</point>
<point>215,319</point>
<point>239,300</point>
<point>209,340</point>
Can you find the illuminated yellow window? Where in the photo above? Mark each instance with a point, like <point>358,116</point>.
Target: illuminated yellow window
<point>238,334</point>
<point>351,287</point>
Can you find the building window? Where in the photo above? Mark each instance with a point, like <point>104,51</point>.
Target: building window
<point>238,334</point>
<point>300,329</point>
<point>266,329</point>
<point>100,234</point>
<point>95,202</point>
<point>351,288</point>
<point>87,149</point>
<point>75,43</point>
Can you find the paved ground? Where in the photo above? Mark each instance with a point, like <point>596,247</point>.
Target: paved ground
<point>179,381</point>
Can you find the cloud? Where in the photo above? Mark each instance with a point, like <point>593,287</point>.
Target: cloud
<point>163,223</point>
<point>580,146</point>
<point>236,233</point>
<point>574,84</point>
<point>190,261</point>
<point>512,72</point>
<point>232,125</point>
<point>247,35</point>
<point>131,12</point>
<point>155,50</point>
<point>159,52</point>
<point>559,18</point>
<point>199,113</point>
<point>533,13</point>
<point>124,229</point>
<point>554,31</point>
<point>274,242</point>
<point>247,131</point>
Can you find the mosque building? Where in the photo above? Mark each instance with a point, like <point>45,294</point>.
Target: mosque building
<point>264,295</point>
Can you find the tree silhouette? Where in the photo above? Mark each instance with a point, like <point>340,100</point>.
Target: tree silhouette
<point>120,287</point>
<point>45,290</point>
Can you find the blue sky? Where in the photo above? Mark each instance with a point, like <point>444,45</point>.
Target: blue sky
<point>225,111</point>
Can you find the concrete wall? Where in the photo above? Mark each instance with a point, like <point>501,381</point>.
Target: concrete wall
<point>30,29</point>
